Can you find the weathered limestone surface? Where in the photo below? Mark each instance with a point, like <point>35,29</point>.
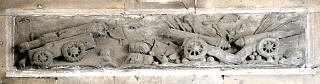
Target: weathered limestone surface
<point>256,79</point>
<point>279,39</point>
<point>2,76</point>
<point>272,79</point>
<point>256,3</point>
<point>228,79</point>
<point>59,4</point>
<point>317,38</point>
<point>159,4</point>
<point>2,43</point>
<point>29,81</point>
<point>192,79</point>
<point>32,4</point>
<point>86,80</point>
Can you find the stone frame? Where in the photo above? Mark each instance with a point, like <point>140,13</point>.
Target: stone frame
<point>11,71</point>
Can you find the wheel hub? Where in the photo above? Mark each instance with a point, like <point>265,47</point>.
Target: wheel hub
<point>42,57</point>
<point>268,47</point>
<point>195,49</point>
<point>74,51</point>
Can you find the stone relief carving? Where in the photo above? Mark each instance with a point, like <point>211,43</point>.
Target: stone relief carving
<point>161,40</point>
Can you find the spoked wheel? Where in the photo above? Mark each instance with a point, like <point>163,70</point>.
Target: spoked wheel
<point>268,47</point>
<point>42,58</point>
<point>73,51</point>
<point>195,49</point>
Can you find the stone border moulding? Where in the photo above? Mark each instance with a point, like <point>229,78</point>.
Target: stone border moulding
<point>11,71</point>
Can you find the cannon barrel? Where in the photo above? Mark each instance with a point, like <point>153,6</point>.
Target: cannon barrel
<point>58,35</point>
<point>227,57</point>
<point>224,56</point>
<point>179,36</point>
<point>257,37</point>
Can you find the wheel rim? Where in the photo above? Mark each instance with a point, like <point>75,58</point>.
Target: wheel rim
<point>73,51</point>
<point>42,58</point>
<point>268,47</point>
<point>195,49</point>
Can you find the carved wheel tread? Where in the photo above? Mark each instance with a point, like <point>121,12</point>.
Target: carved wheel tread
<point>73,51</point>
<point>195,49</point>
<point>268,47</point>
<point>42,58</point>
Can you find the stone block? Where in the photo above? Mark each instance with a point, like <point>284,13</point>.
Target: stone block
<point>256,3</point>
<point>78,4</point>
<point>61,4</point>
<point>272,79</point>
<point>316,38</point>
<point>2,43</point>
<point>2,76</point>
<point>187,79</point>
<point>29,81</point>
<point>159,4</point>
<point>85,80</point>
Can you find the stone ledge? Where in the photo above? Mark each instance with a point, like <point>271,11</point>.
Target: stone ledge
<point>29,81</point>
<point>256,3</point>
<point>87,12</point>
<point>251,10</point>
<point>64,12</point>
<point>2,43</point>
<point>58,4</point>
<point>153,72</point>
<point>272,79</point>
<point>189,79</point>
<point>159,4</point>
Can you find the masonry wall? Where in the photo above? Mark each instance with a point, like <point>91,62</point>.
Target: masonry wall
<point>126,5</point>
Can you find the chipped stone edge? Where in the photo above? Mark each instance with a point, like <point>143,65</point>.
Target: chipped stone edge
<point>11,71</point>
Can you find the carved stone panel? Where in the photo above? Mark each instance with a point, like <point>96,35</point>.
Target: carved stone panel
<point>160,41</point>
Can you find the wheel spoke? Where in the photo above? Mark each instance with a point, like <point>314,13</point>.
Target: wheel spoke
<point>189,48</point>
<point>190,52</point>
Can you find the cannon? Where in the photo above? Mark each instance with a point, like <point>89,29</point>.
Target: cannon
<point>95,28</point>
<point>241,42</point>
<point>179,36</point>
<point>267,47</point>
<point>196,46</point>
<point>196,49</point>
<point>72,43</point>
<point>265,44</point>
<point>72,49</point>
